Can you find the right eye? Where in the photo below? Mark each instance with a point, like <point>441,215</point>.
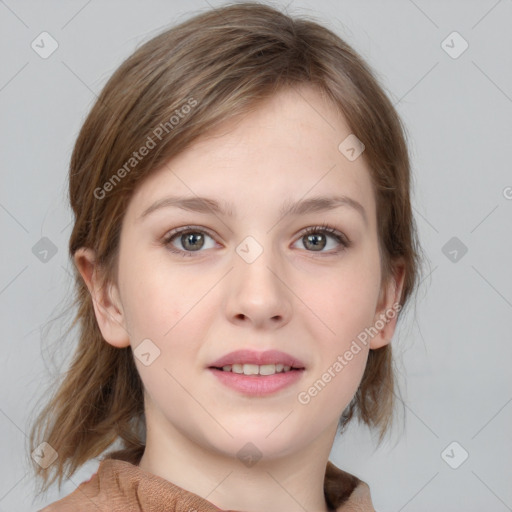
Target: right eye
<point>190,238</point>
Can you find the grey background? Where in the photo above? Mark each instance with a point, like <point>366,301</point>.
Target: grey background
<point>455,352</point>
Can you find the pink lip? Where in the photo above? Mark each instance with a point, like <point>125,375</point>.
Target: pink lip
<point>252,357</point>
<point>257,385</point>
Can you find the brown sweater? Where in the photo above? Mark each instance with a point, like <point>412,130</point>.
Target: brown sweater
<point>119,486</point>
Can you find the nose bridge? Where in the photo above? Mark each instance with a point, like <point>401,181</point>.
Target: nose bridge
<point>258,291</point>
<point>255,260</point>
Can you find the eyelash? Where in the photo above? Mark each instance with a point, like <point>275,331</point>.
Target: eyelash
<point>323,228</point>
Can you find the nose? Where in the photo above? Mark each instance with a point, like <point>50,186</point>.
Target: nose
<point>257,292</point>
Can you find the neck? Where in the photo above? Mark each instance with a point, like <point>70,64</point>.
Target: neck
<point>293,482</point>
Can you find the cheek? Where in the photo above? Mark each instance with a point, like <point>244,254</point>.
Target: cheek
<point>168,308</point>
<point>341,356</point>
<point>157,296</point>
<point>346,302</point>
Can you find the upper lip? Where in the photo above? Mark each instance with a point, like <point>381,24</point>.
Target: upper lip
<point>259,358</point>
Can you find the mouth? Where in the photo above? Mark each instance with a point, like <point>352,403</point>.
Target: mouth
<point>255,373</point>
<point>252,362</point>
<point>257,384</point>
<point>256,370</point>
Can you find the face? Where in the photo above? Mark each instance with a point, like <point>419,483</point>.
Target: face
<point>197,284</point>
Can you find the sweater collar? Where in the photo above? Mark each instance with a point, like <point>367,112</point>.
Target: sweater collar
<point>121,485</point>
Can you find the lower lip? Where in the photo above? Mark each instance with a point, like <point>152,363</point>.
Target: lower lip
<point>257,385</point>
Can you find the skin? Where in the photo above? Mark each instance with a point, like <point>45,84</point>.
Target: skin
<point>292,298</point>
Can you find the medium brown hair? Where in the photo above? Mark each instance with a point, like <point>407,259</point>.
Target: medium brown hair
<point>222,63</point>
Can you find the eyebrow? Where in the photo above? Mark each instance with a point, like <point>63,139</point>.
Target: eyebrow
<point>207,205</point>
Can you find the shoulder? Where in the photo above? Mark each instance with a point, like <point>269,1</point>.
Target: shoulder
<point>360,499</point>
<point>80,500</point>
<point>345,492</point>
<point>113,488</point>
<point>67,504</point>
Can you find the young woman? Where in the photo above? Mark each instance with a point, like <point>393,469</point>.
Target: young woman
<point>244,246</point>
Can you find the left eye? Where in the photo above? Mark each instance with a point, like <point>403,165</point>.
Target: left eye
<point>311,237</point>
<point>315,237</point>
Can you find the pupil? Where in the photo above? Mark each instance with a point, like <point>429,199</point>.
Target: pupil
<point>314,240</point>
<point>190,239</point>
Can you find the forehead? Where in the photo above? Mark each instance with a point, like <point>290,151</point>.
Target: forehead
<point>286,149</point>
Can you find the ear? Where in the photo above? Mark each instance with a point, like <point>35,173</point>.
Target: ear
<point>388,306</point>
<point>105,298</point>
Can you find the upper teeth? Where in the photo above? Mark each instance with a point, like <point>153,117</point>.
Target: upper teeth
<point>254,369</point>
